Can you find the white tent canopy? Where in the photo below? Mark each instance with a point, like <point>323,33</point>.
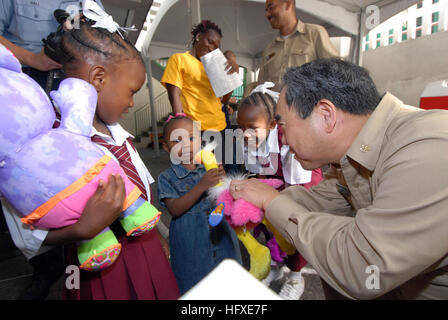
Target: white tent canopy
<point>246,30</point>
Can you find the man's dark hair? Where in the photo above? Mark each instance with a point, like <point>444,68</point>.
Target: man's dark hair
<point>348,86</point>
<point>203,27</point>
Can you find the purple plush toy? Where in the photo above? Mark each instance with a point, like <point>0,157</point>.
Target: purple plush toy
<point>49,174</point>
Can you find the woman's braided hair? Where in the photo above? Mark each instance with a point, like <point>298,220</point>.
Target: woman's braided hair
<point>203,27</point>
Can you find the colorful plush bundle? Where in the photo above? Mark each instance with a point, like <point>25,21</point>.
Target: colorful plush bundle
<point>49,174</point>
<point>243,216</point>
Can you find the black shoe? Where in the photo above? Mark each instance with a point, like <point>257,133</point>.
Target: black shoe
<point>48,267</point>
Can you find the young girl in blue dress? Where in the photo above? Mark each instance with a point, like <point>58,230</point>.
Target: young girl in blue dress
<point>195,247</point>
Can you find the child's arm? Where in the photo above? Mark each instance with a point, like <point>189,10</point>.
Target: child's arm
<point>178,206</point>
<point>103,208</point>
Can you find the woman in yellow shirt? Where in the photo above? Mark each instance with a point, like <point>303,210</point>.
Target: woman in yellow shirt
<point>189,89</point>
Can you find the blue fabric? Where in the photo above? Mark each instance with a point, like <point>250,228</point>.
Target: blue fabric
<point>195,247</point>
<point>26,22</point>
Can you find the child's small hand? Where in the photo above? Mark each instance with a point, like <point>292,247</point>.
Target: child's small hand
<point>222,172</point>
<point>103,207</point>
<point>211,178</point>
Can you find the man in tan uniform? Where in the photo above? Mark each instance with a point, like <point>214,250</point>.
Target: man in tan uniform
<point>297,42</point>
<point>377,225</point>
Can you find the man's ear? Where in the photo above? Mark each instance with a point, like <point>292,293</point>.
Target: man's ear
<point>327,113</point>
<point>97,77</point>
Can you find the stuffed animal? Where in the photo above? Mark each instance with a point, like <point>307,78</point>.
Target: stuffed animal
<point>243,216</point>
<point>240,214</point>
<point>49,174</point>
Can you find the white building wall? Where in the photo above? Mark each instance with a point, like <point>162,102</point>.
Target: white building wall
<point>405,68</point>
<point>410,15</point>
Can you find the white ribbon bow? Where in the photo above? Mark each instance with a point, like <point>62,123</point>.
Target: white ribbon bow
<point>264,88</point>
<point>93,11</point>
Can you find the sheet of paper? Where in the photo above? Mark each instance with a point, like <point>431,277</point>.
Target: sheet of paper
<point>222,83</point>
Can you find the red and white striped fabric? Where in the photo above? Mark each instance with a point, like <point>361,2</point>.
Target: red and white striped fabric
<point>124,158</point>
<point>435,95</point>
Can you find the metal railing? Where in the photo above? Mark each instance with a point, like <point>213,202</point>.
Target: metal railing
<point>142,116</point>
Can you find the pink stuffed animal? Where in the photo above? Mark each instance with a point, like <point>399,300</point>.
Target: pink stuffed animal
<point>240,213</point>
<point>243,215</point>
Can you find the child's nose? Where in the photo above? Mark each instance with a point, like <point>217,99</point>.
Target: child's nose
<point>248,133</point>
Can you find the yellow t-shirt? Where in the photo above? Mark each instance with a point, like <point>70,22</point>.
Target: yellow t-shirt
<point>198,98</point>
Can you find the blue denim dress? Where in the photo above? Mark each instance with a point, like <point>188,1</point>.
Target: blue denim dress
<point>195,247</point>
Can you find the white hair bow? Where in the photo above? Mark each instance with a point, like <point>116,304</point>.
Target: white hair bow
<point>93,11</point>
<point>264,88</point>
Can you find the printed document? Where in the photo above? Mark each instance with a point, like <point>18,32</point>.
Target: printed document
<point>222,83</point>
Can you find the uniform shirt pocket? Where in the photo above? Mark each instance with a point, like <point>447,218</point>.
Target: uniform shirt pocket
<point>33,21</point>
<point>33,11</point>
<point>298,57</point>
<point>271,66</point>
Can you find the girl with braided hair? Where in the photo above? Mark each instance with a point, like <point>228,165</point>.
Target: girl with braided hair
<point>188,86</point>
<point>98,53</point>
<point>267,156</point>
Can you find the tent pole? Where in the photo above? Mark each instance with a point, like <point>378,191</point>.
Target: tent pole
<point>155,136</point>
<point>360,37</point>
<point>194,11</point>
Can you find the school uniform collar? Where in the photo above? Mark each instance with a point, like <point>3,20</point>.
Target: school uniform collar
<point>272,141</point>
<point>300,28</point>
<point>366,148</point>
<point>119,135</point>
<point>181,172</point>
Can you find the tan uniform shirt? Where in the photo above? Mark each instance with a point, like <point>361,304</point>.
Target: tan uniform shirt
<point>308,42</point>
<point>385,205</point>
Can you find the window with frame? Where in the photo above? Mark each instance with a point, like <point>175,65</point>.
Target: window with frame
<point>435,22</point>
<point>419,21</point>
<point>378,40</point>
<point>435,1</point>
<point>418,33</point>
<point>419,4</point>
<point>404,26</point>
<point>404,36</point>
<point>391,36</point>
<point>435,16</point>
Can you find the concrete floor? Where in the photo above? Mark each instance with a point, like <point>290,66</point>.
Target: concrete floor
<point>16,272</point>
